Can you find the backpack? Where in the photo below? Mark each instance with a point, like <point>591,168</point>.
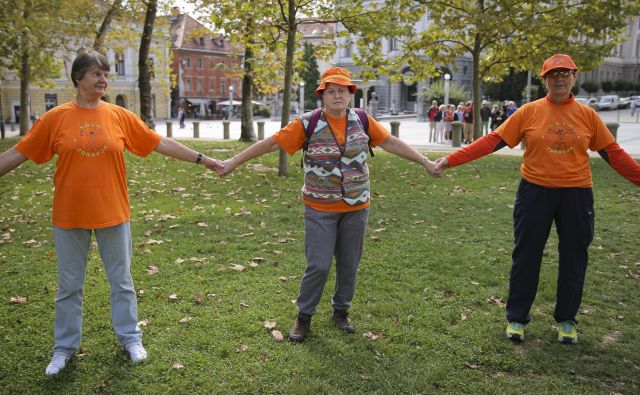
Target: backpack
<point>315,116</point>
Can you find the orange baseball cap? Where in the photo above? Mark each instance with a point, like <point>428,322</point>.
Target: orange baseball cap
<point>557,61</point>
<point>336,75</point>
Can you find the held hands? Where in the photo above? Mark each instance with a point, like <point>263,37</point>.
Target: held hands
<point>441,164</point>
<point>227,167</point>
<point>432,167</point>
<point>212,164</point>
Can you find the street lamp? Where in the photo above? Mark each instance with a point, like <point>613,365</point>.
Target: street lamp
<point>301,97</point>
<point>230,100</point>
<point>447,78</point>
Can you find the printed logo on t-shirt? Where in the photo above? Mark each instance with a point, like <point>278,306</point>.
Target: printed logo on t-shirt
<point>92,141</point>
<point>560,138</point>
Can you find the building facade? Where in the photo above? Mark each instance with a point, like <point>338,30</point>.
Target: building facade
<point>203,64</point>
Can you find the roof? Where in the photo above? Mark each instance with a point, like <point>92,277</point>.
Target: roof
<point>188,33</point>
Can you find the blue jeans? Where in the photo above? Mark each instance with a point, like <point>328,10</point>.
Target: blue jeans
<point>72,247</point>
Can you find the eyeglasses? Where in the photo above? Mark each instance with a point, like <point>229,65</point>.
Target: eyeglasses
<point>559,73</point>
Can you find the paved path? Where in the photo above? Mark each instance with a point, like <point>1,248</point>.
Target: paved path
<point>413,132</point>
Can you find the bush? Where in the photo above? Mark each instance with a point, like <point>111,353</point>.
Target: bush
<point>261,111</point>
<point>591,86</point>
<point>435,91</point>
<point>607,86</point>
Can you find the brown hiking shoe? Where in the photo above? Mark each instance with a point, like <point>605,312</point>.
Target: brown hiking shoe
<point>301,327</point>
<point>341,319</point>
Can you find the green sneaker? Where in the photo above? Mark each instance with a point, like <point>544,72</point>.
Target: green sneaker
<point>515,331</point>
<point>567,333</point>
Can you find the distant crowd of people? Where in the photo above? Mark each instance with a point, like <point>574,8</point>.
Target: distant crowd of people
<point>441,118</point>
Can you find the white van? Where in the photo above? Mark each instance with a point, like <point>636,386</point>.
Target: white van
<point>609,102</point>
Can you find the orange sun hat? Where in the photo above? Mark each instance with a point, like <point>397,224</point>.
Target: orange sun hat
<point>336,75</point>
<point>557,61</point>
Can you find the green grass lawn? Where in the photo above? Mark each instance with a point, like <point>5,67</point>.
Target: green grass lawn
<point>432,284</point>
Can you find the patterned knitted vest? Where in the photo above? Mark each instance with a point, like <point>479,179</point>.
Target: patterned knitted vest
<point>330,174</point>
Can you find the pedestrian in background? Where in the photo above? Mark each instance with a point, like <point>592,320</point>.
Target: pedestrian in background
<point>431,114</point>
<point>485,117</point>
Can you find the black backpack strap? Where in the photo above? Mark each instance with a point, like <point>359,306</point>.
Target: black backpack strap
<point>308,131</point>
<point>364,120</point>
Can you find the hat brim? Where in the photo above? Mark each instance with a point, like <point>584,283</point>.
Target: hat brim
<point>323,85</point>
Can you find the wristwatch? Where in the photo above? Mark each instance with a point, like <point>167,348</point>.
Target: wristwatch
<point>199,158</point>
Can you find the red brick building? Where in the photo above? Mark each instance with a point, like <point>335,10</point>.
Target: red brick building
<point>202,62</point>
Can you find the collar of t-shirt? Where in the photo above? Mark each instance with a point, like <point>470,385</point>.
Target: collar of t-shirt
<point>569,100</point>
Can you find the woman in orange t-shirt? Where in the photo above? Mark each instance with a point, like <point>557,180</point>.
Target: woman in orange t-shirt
<point>555,187</point>
<point>89,136</point>
<point>335,191</point>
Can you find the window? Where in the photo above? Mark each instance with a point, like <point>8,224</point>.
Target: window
<point>212,84</point>
<point>393,44</point>
<point>50,101</point>
<point>120,64</point>
<point>464,70</point>
<point>199,85</point>
<point>223,86</point>
<point>187,63</point>
<point>348,50</point>
<point>187,85</point>
<point>201,41</point>
<point>199,63</point>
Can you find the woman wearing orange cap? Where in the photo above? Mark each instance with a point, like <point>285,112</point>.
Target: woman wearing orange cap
<point>555,187</point>
<point>335,192</point>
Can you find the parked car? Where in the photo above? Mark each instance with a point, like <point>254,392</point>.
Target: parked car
<point>625,102</point>
<point>609,102</point>
<point>582,100</point>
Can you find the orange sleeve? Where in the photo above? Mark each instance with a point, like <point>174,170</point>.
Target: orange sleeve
<point>139,138</point>
<point>622,163</point>
<point>291,137</point>
<point>602,137</point>
<point>479,148</point>
<point>37,144</point>
<point>511,130</point>
<point>377,133</point>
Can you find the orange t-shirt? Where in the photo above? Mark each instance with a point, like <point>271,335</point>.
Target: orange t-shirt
<point>291,139</point>
<point>556,137</point>
<point>90,179</point>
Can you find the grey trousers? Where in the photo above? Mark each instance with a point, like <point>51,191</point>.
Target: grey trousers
<point>72,247</point>
<point>327,235</point>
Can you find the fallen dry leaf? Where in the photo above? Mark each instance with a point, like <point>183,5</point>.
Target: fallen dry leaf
<point>173,297</point>
<point>269,324</point>
<point>264,358</point>
<point>243,304</point>
<point>286,239</point>
<point>258,259</point>
<point>203,224</point>
<point>185,320</point>
<point>496,301</point>
<point>372,336</point>
<point>241,347</point>
<point>143,323</point>
<point>177,365</point>
<point>18,299</point>
<point>152,241</point>
<point>236,267</point>
<point>471,365</point>
<point>283,278</point>
<point>277,336</point>
<point>253,265</point>
<point>198,298</point>
<point>180,261</point>
<point>153,269</point>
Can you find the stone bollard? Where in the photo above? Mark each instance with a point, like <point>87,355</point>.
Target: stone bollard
<point>169,129</point>
<point>395,128</point>
<point>613,128</point>
<point>260,130</point>
<point>456,134</point>
<point>196,129</point>
<point>225,127</point>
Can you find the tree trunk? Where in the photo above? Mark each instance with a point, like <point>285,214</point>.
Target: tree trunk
<point>246,117</point>
<point>288,76</point>
<point>98,44</point>
<point>25,76</point>
<point>144,79</point>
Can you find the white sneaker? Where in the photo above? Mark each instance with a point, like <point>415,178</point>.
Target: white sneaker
<point>136,352</point>
<point>58,362</point>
